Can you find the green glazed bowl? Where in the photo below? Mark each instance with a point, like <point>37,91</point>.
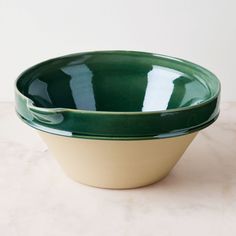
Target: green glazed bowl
<point>117,119</point>
<point>122,95</point>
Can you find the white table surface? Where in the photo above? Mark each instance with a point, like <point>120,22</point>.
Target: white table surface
<point>197,198</point>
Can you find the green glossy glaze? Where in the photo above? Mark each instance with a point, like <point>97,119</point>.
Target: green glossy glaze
<point>117,95</point>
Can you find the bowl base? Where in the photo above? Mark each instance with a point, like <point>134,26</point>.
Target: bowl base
<point>117,164</point>
<point>120,188</point>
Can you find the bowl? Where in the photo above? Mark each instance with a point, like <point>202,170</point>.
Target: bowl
<point>117,119</point>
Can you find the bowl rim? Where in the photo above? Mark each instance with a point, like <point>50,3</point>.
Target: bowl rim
<point>114,138</point>
<point>201,70</point>
<point>110,125</point>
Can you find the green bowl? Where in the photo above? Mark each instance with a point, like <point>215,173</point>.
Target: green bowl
<point>122,95</point>
<point>132,114</point>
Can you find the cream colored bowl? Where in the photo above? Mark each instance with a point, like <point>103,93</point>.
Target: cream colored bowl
<point>117,164</point>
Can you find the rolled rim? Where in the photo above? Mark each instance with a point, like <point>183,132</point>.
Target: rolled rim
<point>24,111</point>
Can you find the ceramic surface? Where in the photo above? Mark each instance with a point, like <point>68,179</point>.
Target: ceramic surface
<point>117,164</point>
<point>117,95</point>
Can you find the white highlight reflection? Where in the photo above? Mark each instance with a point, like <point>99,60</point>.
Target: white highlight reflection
<point>40,89</point>
<point>81,86</point>
<point>159,88</point>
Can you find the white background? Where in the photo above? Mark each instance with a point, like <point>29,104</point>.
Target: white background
<point>202,31</point>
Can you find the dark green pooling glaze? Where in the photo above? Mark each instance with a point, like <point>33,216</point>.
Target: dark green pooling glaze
<point>117,95</point>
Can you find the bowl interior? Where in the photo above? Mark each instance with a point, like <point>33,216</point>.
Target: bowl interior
<point>116,81</point>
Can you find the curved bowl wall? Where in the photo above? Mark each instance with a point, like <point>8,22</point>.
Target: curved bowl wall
<point>117,95</point>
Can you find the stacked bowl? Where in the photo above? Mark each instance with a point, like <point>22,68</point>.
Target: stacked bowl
<point>117,119</point>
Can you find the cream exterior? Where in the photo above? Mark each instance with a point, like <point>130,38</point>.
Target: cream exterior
<point>117,164</point>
